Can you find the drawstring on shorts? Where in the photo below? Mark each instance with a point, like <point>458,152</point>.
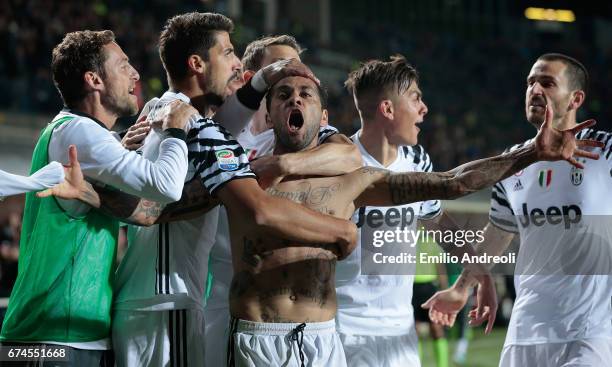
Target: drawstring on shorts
<point>297,335</point>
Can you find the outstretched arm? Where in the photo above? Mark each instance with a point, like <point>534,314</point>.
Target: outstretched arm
<point>47,176</point>
<point>194,201</point>
<point>386,188</point>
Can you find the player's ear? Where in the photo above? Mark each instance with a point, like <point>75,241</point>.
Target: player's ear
<point>196,64</point>
<point>269,121</point>
<point>93,81</point>
<point>324,118</point>
<point>577,99</point>
<point>385,108</point>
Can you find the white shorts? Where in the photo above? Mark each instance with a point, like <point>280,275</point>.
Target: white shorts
<point>381,351</point>
<point>158,338</point>
<point>257,344</point>
<point>595,352</point>
<point>216,335</point>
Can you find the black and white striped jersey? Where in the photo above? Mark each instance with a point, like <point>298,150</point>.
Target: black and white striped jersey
<point>165,266</point>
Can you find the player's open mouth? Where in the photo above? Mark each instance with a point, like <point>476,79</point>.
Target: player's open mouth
<point>537,103</point>
<point>131,90</point>
<point>295,121</point>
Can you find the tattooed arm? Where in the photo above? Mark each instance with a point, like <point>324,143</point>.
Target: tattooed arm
<point>549,144</point>
<point>194,201</point>
<point>384,188</point>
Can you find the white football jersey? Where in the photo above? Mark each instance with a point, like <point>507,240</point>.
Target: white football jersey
<point>165,265</point>
<point>377,304</point>
<point>563,216</point>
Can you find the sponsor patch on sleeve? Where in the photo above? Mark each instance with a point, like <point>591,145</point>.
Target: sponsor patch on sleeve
<point>227,160</point>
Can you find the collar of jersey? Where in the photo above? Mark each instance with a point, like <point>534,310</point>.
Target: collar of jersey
<point>364,152</point>
<point>83,114</point>
<point>177,95</point>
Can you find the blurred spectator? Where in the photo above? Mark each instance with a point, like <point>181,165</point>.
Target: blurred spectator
<point>10,232</point>
<point>472,85</point>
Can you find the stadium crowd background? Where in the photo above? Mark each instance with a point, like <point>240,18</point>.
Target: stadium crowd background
<point>472,61</point>
<point>472,56</point>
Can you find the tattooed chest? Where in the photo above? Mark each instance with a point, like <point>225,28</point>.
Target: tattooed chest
<point>316,197</point>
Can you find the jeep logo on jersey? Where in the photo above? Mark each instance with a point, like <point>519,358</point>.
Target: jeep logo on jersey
<point>227,160</point>
<point>567,214</point>
<point>392,217</point>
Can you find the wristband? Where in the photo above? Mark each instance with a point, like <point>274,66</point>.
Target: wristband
<point>249,96</point>
<point>175,133</point>
<point>259,83</point>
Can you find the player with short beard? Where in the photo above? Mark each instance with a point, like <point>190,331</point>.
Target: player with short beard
<point>562,315</point>
<point>63,292</point>
<point>334,155</point>
<point>158,317</point>
<point>283,297</point>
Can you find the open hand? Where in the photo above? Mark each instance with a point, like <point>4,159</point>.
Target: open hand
<point>174,115</point>
<point>74,182</point>
<point>486,303</point>
<point>444,305</point>
<point>136,134</point>
<point>553,145</point>
<point>286,68</point>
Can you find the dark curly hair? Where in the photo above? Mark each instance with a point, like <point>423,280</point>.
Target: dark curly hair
<point>78,53</point>
<point>189,34</point>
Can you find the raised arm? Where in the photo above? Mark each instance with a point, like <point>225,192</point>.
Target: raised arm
<point>236,112</point>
